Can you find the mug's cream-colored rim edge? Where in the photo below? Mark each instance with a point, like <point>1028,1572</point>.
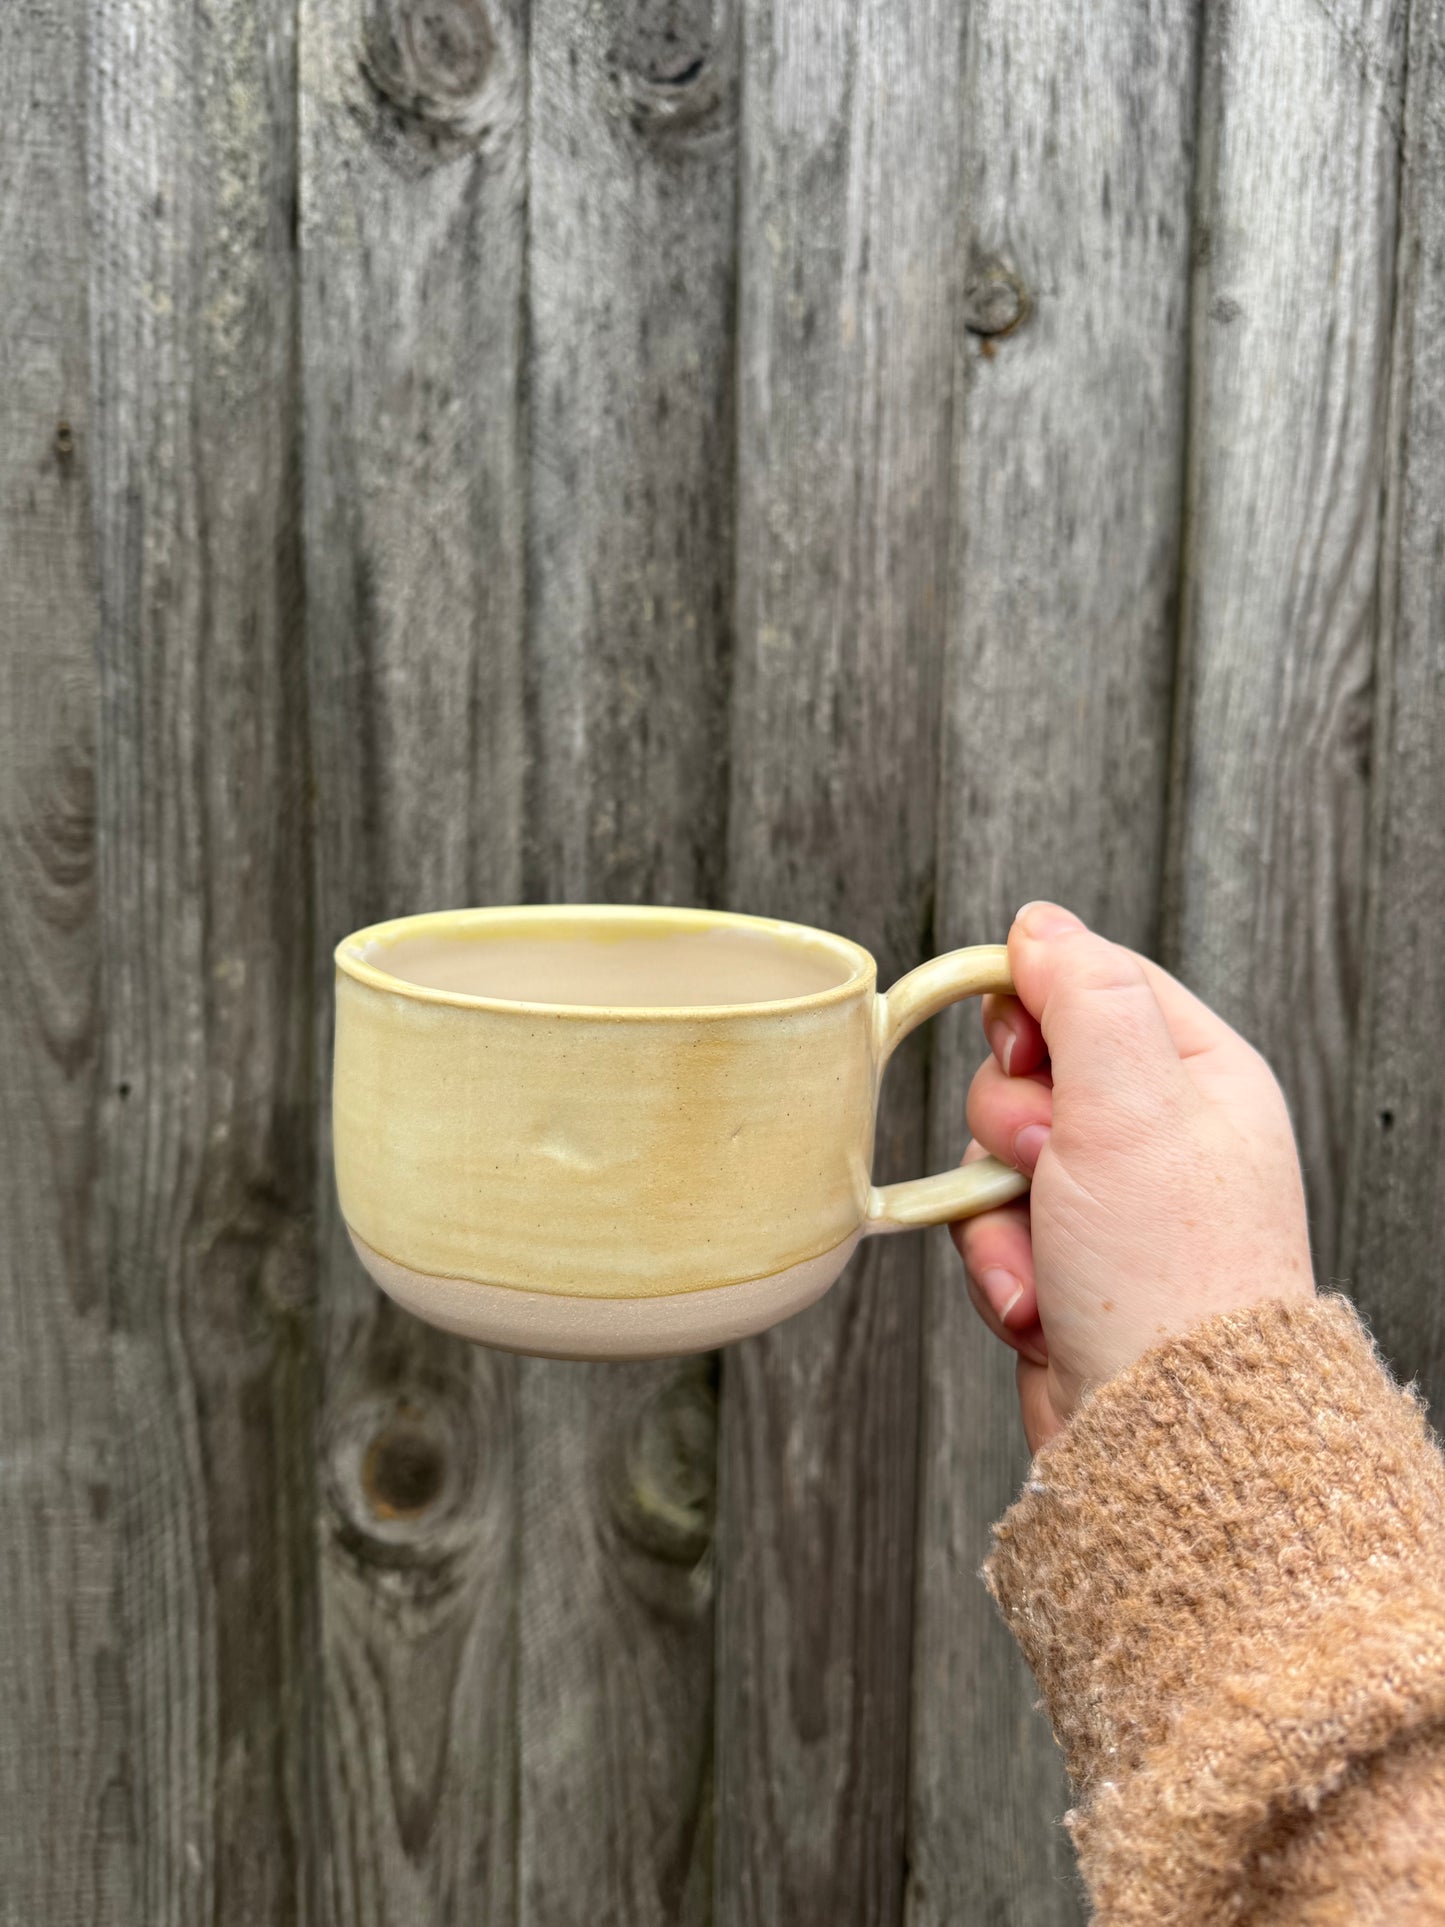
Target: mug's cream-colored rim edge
<point>349,960</point>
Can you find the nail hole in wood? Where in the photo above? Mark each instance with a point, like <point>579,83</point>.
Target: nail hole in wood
<point>995,300</point>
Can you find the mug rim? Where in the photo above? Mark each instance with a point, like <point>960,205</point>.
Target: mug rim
<point>350,962</point>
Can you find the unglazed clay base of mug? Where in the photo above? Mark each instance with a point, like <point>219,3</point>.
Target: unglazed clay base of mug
<point>549,1325</point>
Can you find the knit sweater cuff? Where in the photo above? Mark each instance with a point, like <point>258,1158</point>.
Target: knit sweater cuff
<point>1228,1574</point>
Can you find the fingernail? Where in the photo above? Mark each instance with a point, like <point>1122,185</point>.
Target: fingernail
<point>1002,1290</point>
<point>1001,1037</point>
<point>1041,919</point>
<point>1028,1143</point>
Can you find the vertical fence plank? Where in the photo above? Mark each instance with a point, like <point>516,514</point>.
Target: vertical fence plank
<point>632,142</point>
<point>1396,1227</point>
<point>206,1159</point>
<point>66,1835</point>
<point>1294,251</point>
<point>850,142</point>
<point>1070,452</point>
<point>413,212</point>
<point>631,215</point>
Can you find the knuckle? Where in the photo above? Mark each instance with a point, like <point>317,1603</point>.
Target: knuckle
<point>1104,984</point>
<point>1101,965</point>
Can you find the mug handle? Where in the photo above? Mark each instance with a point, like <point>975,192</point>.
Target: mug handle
<point>912,1000</point>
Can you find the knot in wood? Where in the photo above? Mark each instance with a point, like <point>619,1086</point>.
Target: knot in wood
<point>404,1469</point>
<point>410,1474</point>
<point>664,1475</point>
<point>431,59</point>
<point>288,1269</point>
<point>666,43</point>
<point>674,64</point>
<point>995,300</point>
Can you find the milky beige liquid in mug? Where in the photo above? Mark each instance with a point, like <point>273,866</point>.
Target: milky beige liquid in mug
<point>601,1132</point>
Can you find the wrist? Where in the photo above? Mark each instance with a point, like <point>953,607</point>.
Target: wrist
<point>1227,1460</point>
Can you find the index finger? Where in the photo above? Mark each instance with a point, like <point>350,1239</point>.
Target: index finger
<point>1192,1026</point>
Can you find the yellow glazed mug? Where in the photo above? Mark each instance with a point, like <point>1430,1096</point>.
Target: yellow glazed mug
<point>594,1132</point>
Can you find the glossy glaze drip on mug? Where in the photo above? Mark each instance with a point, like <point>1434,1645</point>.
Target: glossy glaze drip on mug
<point>609,966</point>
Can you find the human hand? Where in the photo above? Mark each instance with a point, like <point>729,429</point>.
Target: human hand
<point>1166,1185</point>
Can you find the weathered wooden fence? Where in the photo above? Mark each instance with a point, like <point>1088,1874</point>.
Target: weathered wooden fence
<point>868,460</point>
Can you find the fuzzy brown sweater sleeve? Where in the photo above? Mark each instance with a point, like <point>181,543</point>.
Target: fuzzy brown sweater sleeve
<point>1228,1575</point>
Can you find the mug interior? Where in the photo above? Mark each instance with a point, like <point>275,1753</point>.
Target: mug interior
<point>607,957</point>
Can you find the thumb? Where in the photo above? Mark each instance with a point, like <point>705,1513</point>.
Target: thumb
<point>1096,1008</point>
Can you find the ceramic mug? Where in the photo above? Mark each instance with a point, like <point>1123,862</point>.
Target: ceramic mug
<point>592,1132</point>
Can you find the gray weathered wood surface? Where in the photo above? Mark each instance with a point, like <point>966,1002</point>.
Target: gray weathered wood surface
<point>70,1851</point>
<point>1396,1225</point>
<point>868,462</point>
<point>1063,581</point>
<point>411,244</point>
<point>206,1158</point>
<point>1294,250</point>
<point>632,147</point>
<point>844,352</point>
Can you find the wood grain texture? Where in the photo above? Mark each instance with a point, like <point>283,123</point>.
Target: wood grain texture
<point>672,450</point>
<point>1069,471</point>
<point>631,216</point>
<point>614,1707</point>
<point>412,245</point>
<point>846,359</point>
<point>1293,290</point>
<point>206,1158</point>
<point>1396,1226</point>
<point>67,1845</point>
